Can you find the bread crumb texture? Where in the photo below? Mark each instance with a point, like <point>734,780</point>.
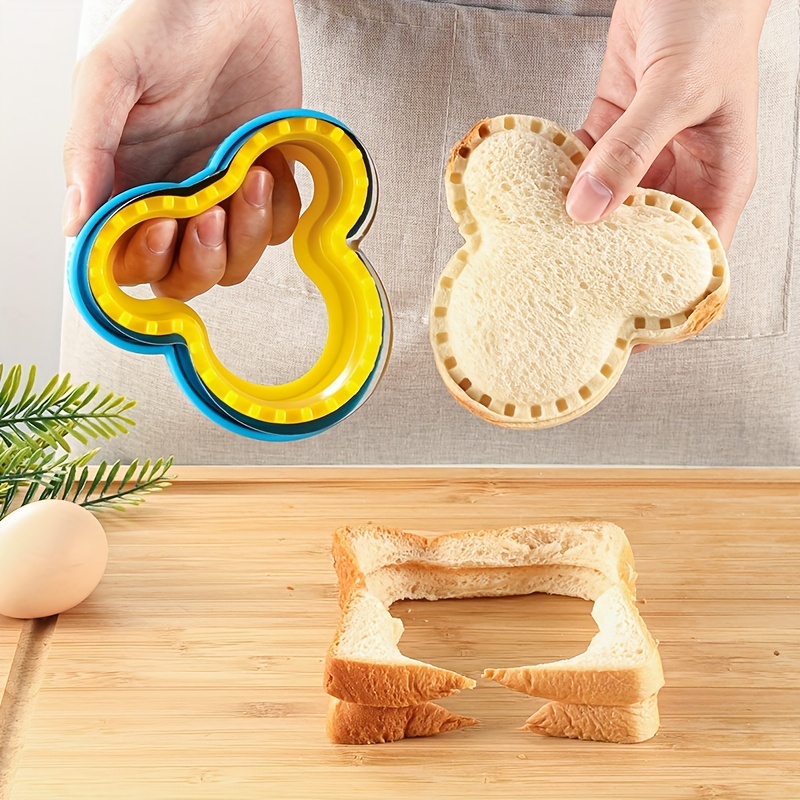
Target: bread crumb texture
<point>533,319</point>
<point>607,693</point>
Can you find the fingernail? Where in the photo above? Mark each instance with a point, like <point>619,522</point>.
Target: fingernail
<point>588,199</point>
<point>211,228</point>
<point>256,188</point>
<point>159,237</point>
<point>72,209</point>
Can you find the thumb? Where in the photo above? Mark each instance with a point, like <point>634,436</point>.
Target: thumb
<point>623,155</point>
<point>102,96</point>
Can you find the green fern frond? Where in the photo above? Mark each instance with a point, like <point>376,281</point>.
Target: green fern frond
<point>42,476</point>
<point>58,412</point>
<point>35,470</point>
<point>137,482</point>
<point>24,460</point>
<point>35,432</point>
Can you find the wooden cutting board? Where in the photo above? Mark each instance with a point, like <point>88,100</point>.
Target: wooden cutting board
<point>195,669</point>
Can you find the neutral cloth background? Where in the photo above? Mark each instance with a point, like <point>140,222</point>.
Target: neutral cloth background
<point>38,40</point>
<point>411,78</point>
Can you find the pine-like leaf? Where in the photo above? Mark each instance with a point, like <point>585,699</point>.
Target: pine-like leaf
<point>35,432</point>
<point>152,478</point>
<point>42,476</point>
<point>40,472</point>
<point>58,412</point>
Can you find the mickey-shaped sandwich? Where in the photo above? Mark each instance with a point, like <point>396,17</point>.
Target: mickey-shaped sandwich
<point>535,316</point>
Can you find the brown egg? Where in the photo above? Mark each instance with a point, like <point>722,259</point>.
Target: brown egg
<point>53,554</point>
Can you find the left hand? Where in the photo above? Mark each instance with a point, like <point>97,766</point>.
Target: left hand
<point>153,98</point>
<point>675,109</point>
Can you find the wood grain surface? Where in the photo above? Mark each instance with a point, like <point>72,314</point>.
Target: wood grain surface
<point>195,669</point>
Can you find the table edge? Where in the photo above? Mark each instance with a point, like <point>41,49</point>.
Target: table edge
<point>448,473</point>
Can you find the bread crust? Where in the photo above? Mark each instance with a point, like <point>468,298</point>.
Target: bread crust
<point>348,723</point>
<point>352,579</point>
<point>390,685</point>
<point>629,724</point>
<point>707,310</point>
<point>617,687</point>
<point>571,682</point>
<point>373,685</point>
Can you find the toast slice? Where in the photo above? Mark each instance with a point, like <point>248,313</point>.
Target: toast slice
<point>349,723</point>
<point>364,665</point>
<point>629,724</point>
<point>620,667</point>
<point>378,566</point>
<point>534,318</point>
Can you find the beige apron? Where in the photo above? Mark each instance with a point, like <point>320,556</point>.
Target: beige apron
<point>411,77</point>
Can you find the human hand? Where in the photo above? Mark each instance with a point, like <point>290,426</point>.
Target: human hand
<point>675,108</point>
<point>151,101</point>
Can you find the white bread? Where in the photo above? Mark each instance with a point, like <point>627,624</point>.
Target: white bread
<point>364,664</point>
<point>534,318</point>
<point>620,724</point>
<point>621,665</point>
<point>349,723</point>
<point>377,566</point>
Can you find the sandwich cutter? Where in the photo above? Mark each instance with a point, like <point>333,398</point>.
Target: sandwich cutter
<point>326,247</point>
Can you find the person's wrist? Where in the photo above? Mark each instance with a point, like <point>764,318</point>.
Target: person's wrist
<point>760,7</point>
<point>750,13</point>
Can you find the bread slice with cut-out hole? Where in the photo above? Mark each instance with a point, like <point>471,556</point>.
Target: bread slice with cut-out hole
<point>629,724</point>
<point>378,566</point>
<point>534,318</point>
<point>349,723</point>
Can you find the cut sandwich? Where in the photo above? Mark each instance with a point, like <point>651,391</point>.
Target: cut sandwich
<point>534,318</point>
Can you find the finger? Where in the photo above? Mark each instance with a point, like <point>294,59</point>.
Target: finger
<point>147,256</point>
<point>622,156</point>
<point>661,172</point>
<point>104,91</point>
<point>249,225</point>
<point>725,225</point>
<point>602,115</point>
<point>201,258</point>
<point>725,184</point>
<point>286,203</point>
<point>584,136</point>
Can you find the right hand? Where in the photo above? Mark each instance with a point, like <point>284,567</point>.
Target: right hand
<point>675,109</point>
<point>151,101</point>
